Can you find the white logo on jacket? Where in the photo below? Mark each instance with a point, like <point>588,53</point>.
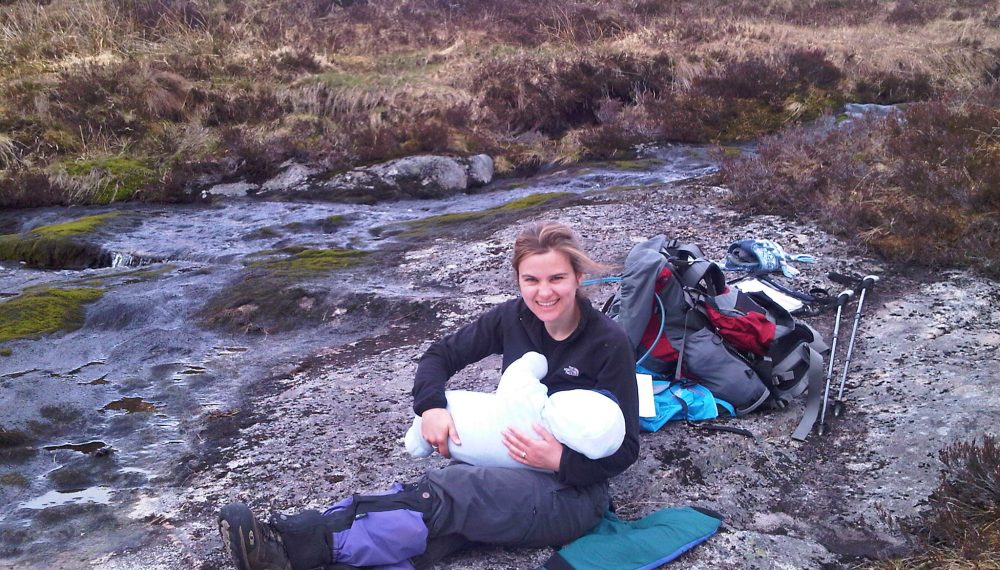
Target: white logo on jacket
<point>571,371</point>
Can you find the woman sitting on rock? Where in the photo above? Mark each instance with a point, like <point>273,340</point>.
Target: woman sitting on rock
<point>560,499</point>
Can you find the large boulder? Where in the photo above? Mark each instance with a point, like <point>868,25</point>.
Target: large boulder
<point>479,169</point>
<point>422,176</point>
<point>293,176</point>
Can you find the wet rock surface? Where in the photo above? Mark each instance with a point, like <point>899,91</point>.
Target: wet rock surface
<point>329,419</point>
<point>423,176</point>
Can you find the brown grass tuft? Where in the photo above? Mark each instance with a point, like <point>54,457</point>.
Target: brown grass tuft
<point>172,80</point>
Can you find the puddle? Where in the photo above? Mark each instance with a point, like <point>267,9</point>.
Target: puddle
<point>89,447</point>
<point>130,405</point>
<point>100,495</point>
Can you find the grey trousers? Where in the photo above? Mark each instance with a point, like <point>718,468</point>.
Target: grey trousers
<point>515,507</point>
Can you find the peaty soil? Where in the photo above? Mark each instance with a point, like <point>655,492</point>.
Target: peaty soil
<point>924,374</point>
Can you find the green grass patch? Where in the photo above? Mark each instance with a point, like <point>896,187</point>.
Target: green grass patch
<point>343,80</point>
<point>31,315</point>
<point>114,179</point>
<point>6,351</point>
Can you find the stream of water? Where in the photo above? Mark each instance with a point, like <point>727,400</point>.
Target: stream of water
<point>98,424</point>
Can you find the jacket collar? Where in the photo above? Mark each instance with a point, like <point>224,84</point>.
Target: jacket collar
<point>536,328</point>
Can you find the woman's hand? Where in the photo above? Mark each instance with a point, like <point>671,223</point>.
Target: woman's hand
<point>545,453</point>
<point>436,427</point>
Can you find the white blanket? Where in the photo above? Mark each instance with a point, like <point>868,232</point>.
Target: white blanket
<point>584,420</point>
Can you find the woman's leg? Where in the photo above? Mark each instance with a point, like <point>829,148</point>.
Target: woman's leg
<point>516,507</point>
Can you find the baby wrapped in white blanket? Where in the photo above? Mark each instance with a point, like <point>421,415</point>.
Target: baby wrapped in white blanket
<point>584,420</point>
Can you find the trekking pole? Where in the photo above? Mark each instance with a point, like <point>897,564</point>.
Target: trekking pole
<point>841,301</point>
<point>866,284</point>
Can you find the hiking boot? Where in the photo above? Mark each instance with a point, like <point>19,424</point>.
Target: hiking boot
<point>252,544</point>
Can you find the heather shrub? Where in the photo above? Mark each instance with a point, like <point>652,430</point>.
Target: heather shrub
<point>340,82</point>
<point>605,142</point>
<point>153,14</point>
<point>255,155</point>
<point>29,189</point>
<point>246,103</point>
<point>99,100</point>
<point>918,187</point>
<point>963,510</point>
<point>890,88</point>
<point>526,92</point>
<point>771,79</point>
<point>959,527</point>
<point>913,12</point>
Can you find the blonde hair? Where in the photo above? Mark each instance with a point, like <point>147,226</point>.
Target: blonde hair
<point>542,237</point>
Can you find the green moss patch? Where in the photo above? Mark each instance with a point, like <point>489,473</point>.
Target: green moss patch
<point>13,480</point>
<point>6,351</point>
<point>50,253</point>
<point>459,217</point>
<point>334,222</point>
<point>147,273</point>
<point>311,260</point>
<point>77,227</point>
<point>640,165</point>
<point>270,297</point>
<point>56,246</point>
<point>31,315</point>
<point>266,232</point>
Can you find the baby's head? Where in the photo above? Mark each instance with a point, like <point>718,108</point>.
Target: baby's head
<point>589,421</point>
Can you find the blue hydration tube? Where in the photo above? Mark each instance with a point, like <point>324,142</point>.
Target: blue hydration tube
<point>663,320</point>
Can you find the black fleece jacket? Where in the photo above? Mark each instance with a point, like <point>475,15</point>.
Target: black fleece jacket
<point>596,356</point>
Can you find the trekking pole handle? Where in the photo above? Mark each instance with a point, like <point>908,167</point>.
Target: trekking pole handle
<point>844,297</point>
<point>868,281</point>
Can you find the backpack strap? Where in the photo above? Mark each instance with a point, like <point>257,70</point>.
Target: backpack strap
<point>694,270</point>
<point>815,397</point>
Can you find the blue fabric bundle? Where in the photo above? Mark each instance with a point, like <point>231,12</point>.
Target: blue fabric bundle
<point>682,401</point>
<point>763,256</point>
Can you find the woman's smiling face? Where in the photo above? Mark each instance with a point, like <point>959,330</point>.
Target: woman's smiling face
<point>548,286</point>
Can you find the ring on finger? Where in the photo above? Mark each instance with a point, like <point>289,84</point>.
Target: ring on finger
<point>524,454</point>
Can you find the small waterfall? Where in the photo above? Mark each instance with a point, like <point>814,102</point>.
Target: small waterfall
<point>125,259</point>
